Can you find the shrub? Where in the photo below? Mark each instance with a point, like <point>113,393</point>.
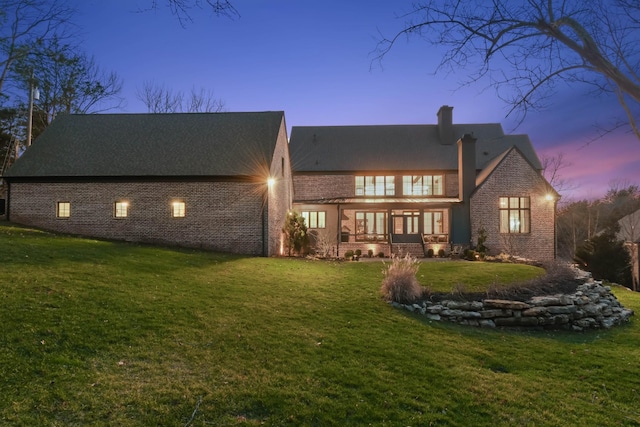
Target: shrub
<point>441,253</point>
<point>482,238</point>
<point>358,252</point>
<point>348,254</point>
<point>295,230</point>
<point>430,253</point>
<point>370,253</point>
<point>400,283</point>
<point>380,254</point>
<point>605,257</point>
<point>470,255</point>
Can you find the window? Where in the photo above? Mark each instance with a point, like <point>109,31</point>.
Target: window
<point>371,225</point>
<point>422,185</point>
<point>433,222</point>
<point>178,209</point>
<point>375,185</point>
<point>63,210</point>
<point>515,214</point>
<point>314,219</point>
<point>121,209</point>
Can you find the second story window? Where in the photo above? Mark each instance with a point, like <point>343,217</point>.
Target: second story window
<point>375,185</point>
<point>422,185</point>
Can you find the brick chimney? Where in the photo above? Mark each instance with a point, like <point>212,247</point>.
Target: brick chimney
<point>445,125</point>
<point>466,166</point>
<point>461,232</point>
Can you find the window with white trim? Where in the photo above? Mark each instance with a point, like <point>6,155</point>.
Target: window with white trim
<point>515,215</point>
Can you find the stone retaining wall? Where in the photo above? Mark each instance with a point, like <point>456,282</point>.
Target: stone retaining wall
<point>592,306</point>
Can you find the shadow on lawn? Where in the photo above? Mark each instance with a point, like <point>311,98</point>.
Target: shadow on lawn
<point>23,246</point>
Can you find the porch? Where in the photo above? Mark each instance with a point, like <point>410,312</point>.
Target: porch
<point>419,232</point>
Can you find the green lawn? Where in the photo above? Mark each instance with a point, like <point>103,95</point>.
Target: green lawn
<point>101,333</point>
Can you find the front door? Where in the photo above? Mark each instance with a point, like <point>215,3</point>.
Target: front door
<point>406,227</point>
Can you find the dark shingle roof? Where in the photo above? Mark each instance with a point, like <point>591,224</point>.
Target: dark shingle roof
<point>181,144</point>
<point>396,147</point>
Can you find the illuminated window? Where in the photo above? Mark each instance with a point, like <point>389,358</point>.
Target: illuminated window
<point>375,185</point>
<point>515,215</point>
<point>314,219</point>
<point>371,225</point>
<point>63,210</point>
<point>121,209</point>
<point>433,222</point>
<point>422,185</point>
<point>178,209</point>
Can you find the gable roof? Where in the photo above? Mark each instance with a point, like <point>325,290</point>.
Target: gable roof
<point>490,167</point>
<point>152,145</point>
<point>396,147</point>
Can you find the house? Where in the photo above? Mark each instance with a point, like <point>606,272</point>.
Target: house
<point>220,181</point>
<point>422,188</point>
<point>226,181</point>
<point>629,233</point>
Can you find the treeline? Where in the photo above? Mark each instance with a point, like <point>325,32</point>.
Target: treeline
<point>589,233</point>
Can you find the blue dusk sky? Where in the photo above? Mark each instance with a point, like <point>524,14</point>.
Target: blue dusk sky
<point>314,61</point>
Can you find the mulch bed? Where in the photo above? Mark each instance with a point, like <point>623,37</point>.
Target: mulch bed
<point>558,280</point>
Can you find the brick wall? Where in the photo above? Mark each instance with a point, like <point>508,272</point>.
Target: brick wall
<point>315,187</point>
<point>225,216</point>
<point>280,194</point>
<point>515,177</point>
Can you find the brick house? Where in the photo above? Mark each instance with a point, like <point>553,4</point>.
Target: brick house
<point>412,188</point>
<point>220,181</point>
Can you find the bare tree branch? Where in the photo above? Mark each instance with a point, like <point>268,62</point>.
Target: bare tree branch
<point>27,24</point>
<point>184,9</point>
<point>526,47</point>
<point>159,99</point>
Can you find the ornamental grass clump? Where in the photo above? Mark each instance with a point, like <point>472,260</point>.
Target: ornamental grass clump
<point>400,283</point>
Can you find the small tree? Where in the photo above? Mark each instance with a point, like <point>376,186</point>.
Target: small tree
<point>482,238</point>
<point>296,234</point>
<point>324,244</point>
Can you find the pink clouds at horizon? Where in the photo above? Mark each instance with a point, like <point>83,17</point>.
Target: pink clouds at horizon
<point>592,168</point>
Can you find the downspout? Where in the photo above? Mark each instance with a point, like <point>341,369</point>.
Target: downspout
<point>265,217</point>
<point>339,232</point>
<point>555,229</point>
<point>8,203</point>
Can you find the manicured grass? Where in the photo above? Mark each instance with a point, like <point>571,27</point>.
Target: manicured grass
<point>101,333</point>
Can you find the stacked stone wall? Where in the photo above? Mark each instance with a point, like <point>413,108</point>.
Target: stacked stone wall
<point>592,306</point>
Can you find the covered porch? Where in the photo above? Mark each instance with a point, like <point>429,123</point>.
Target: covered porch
<point>418,230</point>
